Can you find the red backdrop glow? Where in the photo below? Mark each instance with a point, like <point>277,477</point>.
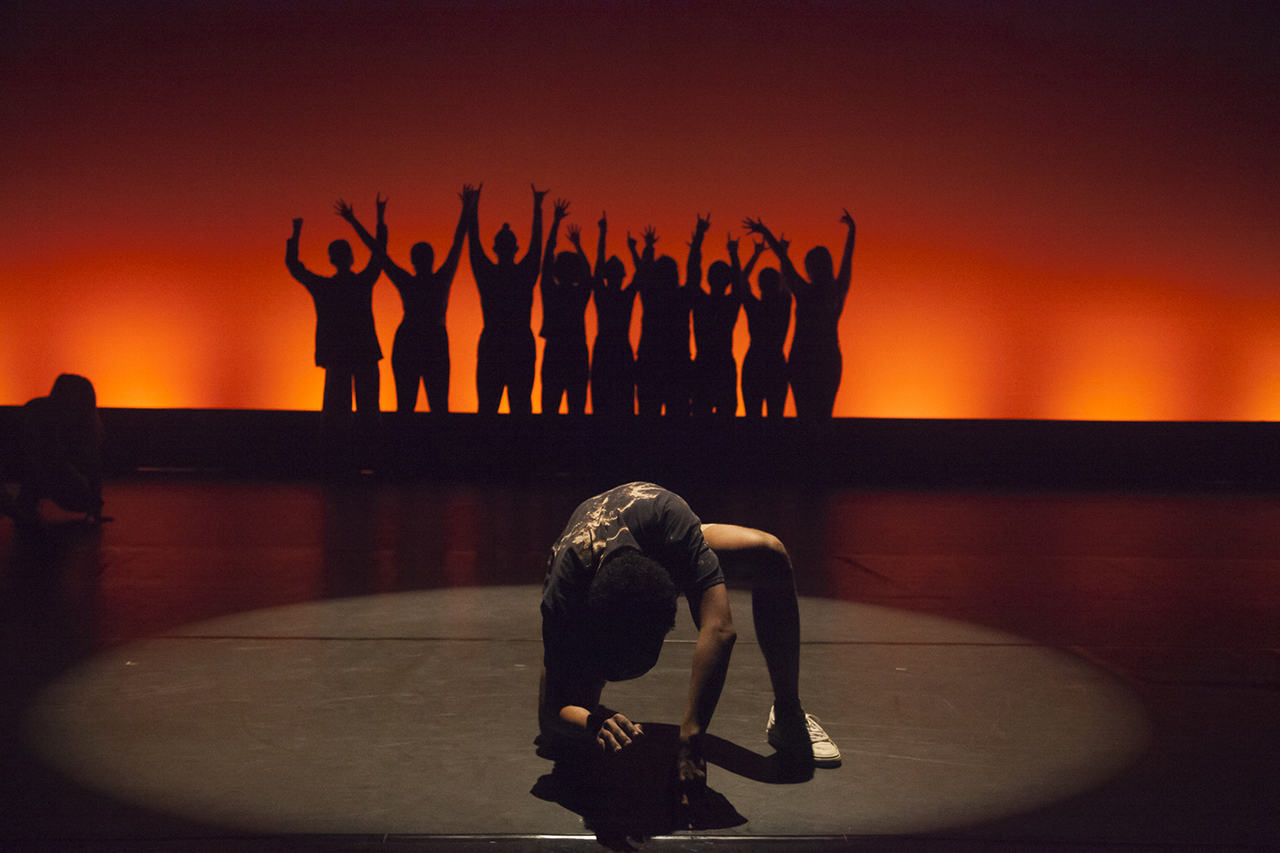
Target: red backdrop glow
<point>1064,210</point>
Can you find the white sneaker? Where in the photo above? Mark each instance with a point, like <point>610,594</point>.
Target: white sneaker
<point>793,739</point>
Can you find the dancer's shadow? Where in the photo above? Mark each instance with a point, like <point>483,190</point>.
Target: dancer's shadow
<point>633,795</point>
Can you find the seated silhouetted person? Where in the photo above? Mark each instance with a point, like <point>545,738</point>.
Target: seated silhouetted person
<point>507,353</point>
<point>664,383</point>
<point>613,363</point>
<point>420,352</point>
<point>346,338</point>
<point>61,452</point>
<point>815,363</point>
<point>609,599</point>
<point>764,367</point>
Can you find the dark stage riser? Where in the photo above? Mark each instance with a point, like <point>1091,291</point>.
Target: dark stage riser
<point>880,452</point>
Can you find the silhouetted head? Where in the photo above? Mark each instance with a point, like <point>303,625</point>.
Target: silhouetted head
<point>571,268</point>
<point>614,270</point>
<point>340,255</point>
<point>631,607</point>
<point>72,393</point>
<point>505,244</point>
<point>770,280</point>
<point>719,276</point>
<point>666,272</point>
<point>422,256</point>
<point>818,265</point>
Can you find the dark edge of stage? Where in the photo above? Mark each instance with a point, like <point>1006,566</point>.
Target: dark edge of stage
<point>852,452</point>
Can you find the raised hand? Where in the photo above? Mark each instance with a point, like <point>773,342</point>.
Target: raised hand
<point>732,245</point>
<point>470,196</point>
<point>538,195</point>
<point>757,249</point>
<point>753,226</point>
<point>847,219</point>
<point>650,236</point>
<point>604,223</point>
<point>703,224</point>
<point>574,233</point>
<point>297,226</point>
<point>561,208</point>
<point>342,209</point>
<point>382,205</point>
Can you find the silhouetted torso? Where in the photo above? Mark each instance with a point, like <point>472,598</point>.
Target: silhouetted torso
<point>345,331</point>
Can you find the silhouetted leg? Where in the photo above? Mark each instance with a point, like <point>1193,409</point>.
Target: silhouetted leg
<point>835,370</point>
<point>553,371</point>
<point>776,386</point>
<point>759,560</point>
<point>405,372</point>
<point>753,384</point>
<point>725,381</point>
<point>679,401</point>
<point>520,383</point>
<point>435,373</point>
<point>578,378</point>
<point>489,372</point>
<point>367,379</point>
<point>335,417</point>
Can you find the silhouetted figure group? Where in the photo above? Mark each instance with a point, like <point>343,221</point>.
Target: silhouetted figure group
<point>661,377</point>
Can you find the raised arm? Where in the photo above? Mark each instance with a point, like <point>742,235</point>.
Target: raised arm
<point>533,258</point>
<point>374,268</point>
<point>846,260</point>
<point>735,268</point>
<point>450,265</point>
<point>604,228</point>
<point>574,233</point>
<point>480,263</point>
<point>779,247</point>
<point>693,271</point>
<point>291,245</point>
<point>296,269</point>
<point>756,251</point>
<point>559,212</point>
<point>644,261</point>
<point>378,248</point>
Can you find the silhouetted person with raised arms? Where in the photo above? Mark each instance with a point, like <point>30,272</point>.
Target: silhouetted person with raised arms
<point>764,367</point>
<point>566,290</point>
<point>613,363</point>
<point>346,338</point>
<point>507,354</point>
<point>420,352</point>
<point>815,363</point>
<point>664,380</point>
<point>715,313</point>
<point>60,453</point>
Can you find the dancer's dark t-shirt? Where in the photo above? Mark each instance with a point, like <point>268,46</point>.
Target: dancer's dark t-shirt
<point>650,519</point>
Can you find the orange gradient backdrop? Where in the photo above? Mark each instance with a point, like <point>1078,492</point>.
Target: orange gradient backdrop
<point>1064,212</point>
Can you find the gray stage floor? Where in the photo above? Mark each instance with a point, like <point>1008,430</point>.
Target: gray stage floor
<point>266,666</point>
